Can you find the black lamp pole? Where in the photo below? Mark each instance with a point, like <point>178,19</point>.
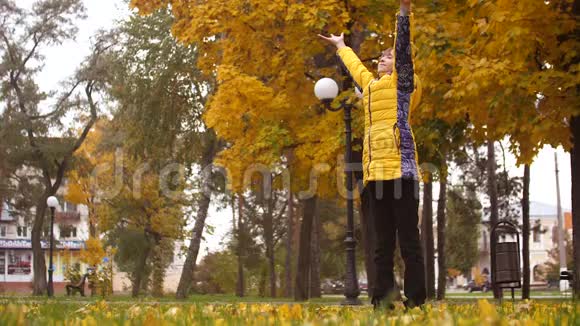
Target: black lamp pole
<point>50,265</point>
<point>351,291</point>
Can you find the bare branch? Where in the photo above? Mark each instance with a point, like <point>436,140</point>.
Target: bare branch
<point>36,43</point>
<point>8,46</point>
<point>63,165</point>
<point>282,210</point>
<point>89,125</point>
<point>58,106</point>
<point>43,116</point>
<point>277,237</point>
<point>59,174</point>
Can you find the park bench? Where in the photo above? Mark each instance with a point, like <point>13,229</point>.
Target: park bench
<point>80,286</point>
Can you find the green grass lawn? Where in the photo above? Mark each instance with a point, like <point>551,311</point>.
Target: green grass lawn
<point>231,310</point>
<point>227,298</point>
<point>507,292</point>
<point>197,298</point>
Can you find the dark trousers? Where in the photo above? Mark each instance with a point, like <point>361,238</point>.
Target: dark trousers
<point>393,208</point>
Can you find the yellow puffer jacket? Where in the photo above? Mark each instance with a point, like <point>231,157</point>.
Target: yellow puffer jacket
<point>389,150</point>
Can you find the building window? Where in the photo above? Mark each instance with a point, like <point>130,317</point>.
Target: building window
<point>22,231</point>
<point>2,262</point>
<point>19,263</point>
<point>5,211</point>
<point>67,231</point>
<point>70,207</point>
<point>2,230</point>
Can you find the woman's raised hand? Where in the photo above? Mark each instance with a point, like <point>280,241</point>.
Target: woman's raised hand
<point>405,7</point>
<point>335,40</point>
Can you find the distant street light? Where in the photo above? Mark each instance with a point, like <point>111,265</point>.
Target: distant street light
<point>326,90</point>
<point>52,203</point>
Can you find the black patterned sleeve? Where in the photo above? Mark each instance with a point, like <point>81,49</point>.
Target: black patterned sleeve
<point>403,60</point>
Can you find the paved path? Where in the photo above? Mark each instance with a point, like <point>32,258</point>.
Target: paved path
<point>508,295</point>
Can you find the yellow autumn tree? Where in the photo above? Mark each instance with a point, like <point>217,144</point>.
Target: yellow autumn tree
<point>143,216</point>
<point>267,57</point>
<point>80,181</point>
<point>128,195</point>
<point>483,64</point>
<point>93,253</point>
<point>263,53</point>
<point>516,76</point>
<point>99,260</point>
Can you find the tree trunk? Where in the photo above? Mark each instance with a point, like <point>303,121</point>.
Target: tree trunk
<point>575,171</point>
<point>210,149</point>
<point>188,271</point>
<point>158,280</point>
<point>39,269</point>
<point>269,240</point>
<point>315,291</point>
<point>39,264</point>
<point>441,225</point>
<point>92,217</point>
<point>303,266</point>
<point>289,235</point>
<point>240,286</point>
<point>158,272</point>
<point>47,164</point>
<point>262,282</point>
<point>427,236</point>
<point>493,218</point>
<point>526,232</point>
<point>139,271</point>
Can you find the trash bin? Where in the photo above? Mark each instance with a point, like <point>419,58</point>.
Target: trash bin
<point>507,273</point>
<point>507,263</point>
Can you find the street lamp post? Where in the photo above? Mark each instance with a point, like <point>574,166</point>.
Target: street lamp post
<point>326,90</point>
<point>52,203</point>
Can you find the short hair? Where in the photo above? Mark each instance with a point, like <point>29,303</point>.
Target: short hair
<point>387,51</point>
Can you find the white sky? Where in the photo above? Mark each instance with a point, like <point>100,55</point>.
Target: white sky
<point>63,60</point>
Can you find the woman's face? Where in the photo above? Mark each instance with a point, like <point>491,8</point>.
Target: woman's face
<point>386,62</point>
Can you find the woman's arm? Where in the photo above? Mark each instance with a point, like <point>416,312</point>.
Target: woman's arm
<point>336,40</point>
<point>356,69</point>
<point>405,7</point>
<point>403,57</point>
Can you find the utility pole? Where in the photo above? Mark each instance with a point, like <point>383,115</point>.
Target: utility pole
<point>562,249</point>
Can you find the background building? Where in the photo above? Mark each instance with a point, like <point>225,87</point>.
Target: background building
<point>16,263</point>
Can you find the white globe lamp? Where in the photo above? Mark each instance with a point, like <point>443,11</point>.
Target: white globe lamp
<point>326,89</point>
<point>52,202</point>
